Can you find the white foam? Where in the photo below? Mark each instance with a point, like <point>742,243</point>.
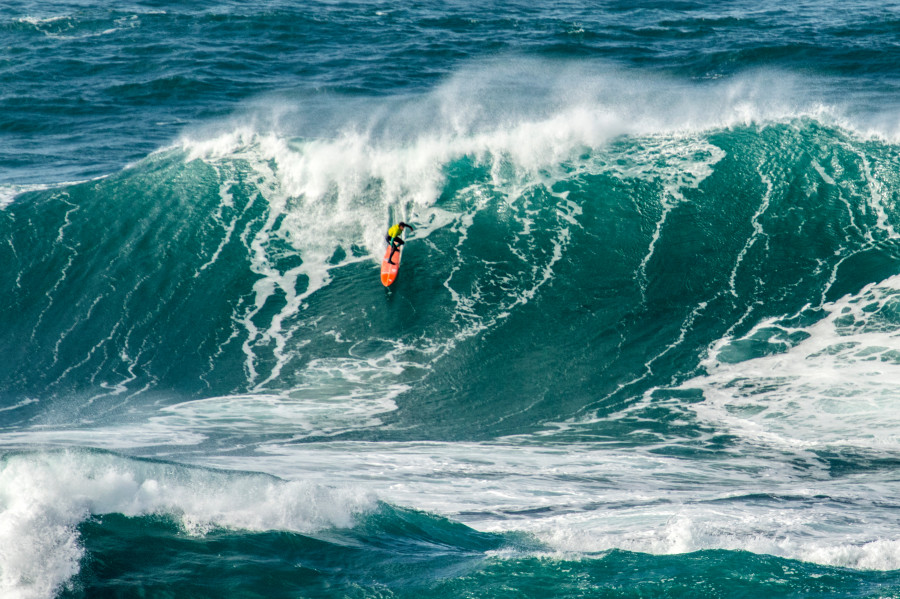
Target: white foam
<point>584,499</point>
<point>38,21</point>
<point>114,437</point>
<point>334,396</point>
<point>328,397</point>
<point>44,497</point>
<point>391,156</point>
<point>61,26</point>
<point>836,388</point>
<point>9,193</point>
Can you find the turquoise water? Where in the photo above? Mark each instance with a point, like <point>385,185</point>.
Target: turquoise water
<point>644,342</point>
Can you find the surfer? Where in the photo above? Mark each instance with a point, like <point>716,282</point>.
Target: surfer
<point>394,238</point>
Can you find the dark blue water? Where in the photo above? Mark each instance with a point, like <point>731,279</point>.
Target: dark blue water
<point>644,342</point>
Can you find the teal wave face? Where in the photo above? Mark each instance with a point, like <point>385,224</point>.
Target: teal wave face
<point>585,285</point>
<point>391,552</point>
<point>104,299</point>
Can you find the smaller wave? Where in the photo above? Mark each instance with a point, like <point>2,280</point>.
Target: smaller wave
<point>581,500</point>
<point>45,496</point>
<point>390,549</point>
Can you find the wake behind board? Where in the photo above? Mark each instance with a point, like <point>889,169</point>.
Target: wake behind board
<point>389,271</point>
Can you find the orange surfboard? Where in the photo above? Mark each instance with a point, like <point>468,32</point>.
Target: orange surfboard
<point>389,271</point>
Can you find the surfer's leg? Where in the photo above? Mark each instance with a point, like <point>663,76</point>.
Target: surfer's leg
<point>396,242</point>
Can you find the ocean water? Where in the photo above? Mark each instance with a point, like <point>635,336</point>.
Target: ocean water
<point>645,341</point>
